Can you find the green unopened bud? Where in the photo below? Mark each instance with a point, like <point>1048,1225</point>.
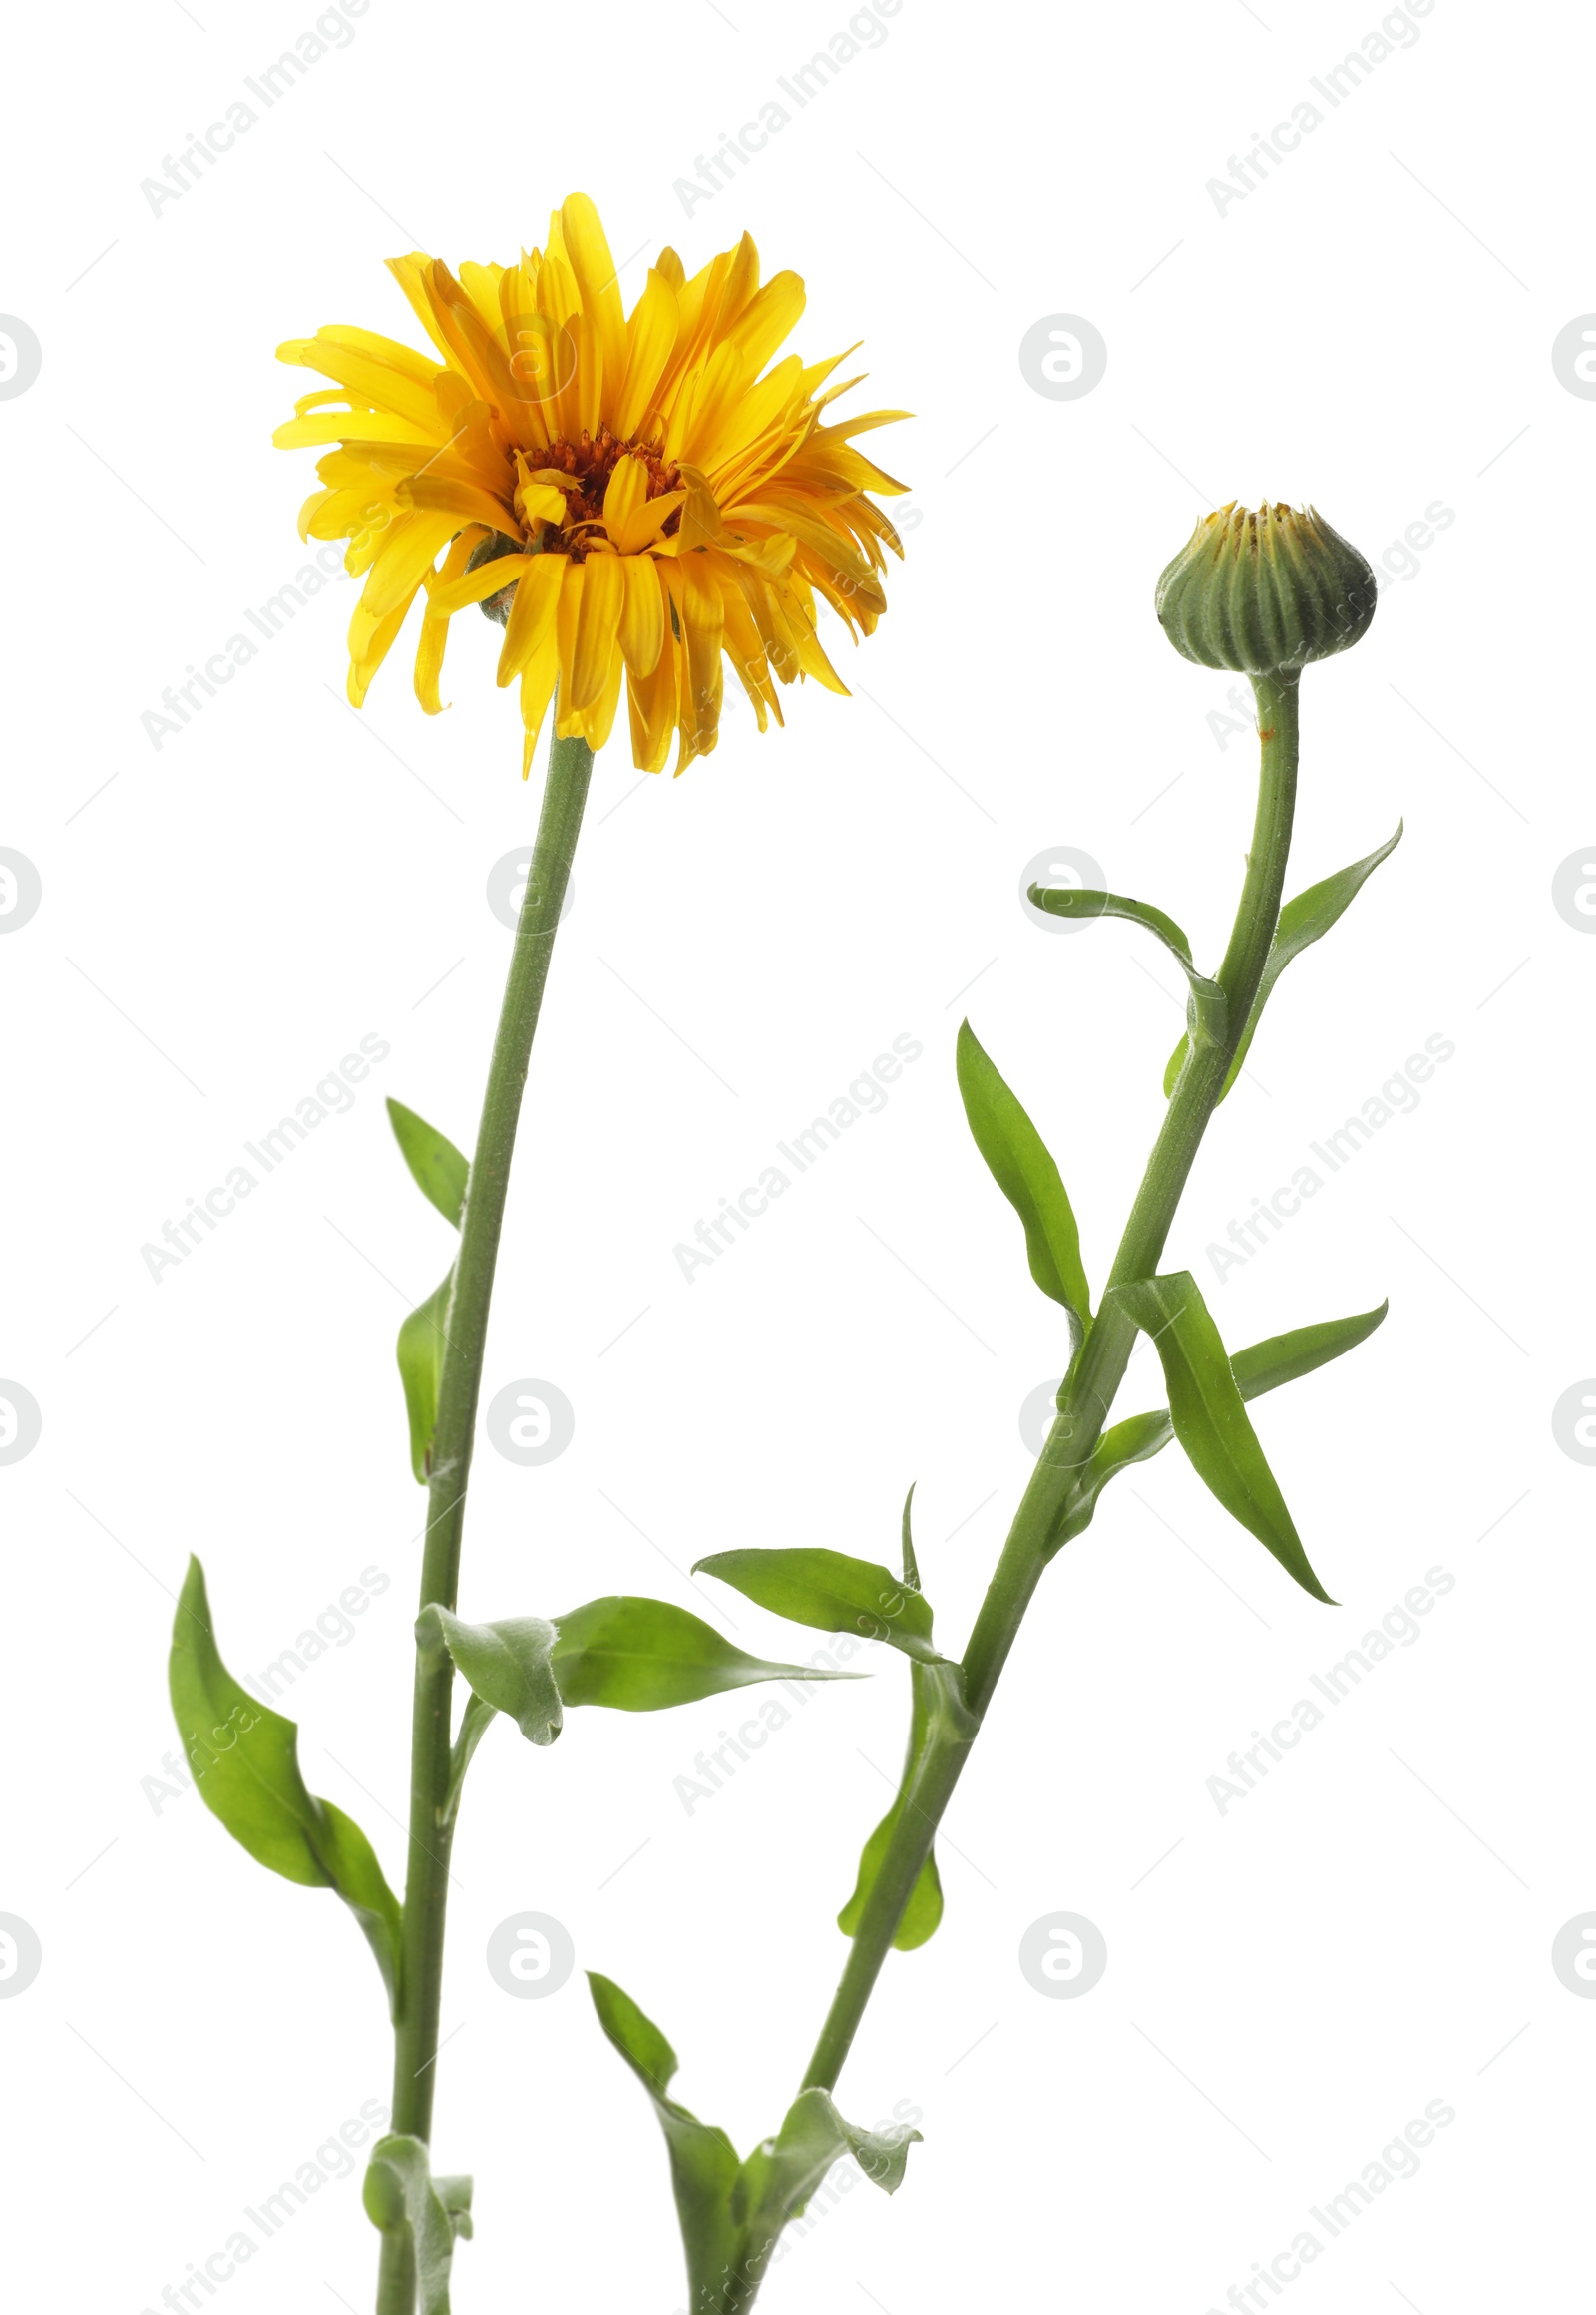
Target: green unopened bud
<point>1266,593</point>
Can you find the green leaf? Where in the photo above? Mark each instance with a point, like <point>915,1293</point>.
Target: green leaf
<point>402,2198</point>
<point>1208,999</point>
<point>1018,1161</point>
<point>921,1917</point>
<point>937,1717</point>
<point>507,1665</point>
<point>475,1721</point>
<point>935,1714</point>
<point>911,1565</point>
<point>703,2161</point>
<point>779,2177</point>
<point>421,1349</point>
<point>831,1592</point>
<point>643,1656</point>
<point>730,2211</point>
<point>1283,1359</point>
<point>245,1764</point>
<point>1301,921</point>
<point>1210,1418</point>
<point>439,1169</point>
<point>1083,906</point>
<point>1261,1366</point>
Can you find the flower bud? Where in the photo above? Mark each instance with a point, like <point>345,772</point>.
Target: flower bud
<point>1264,594</point>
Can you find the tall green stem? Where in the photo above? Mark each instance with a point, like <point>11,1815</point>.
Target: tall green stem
<point>1096,1376</point>
<point>427,1878</point>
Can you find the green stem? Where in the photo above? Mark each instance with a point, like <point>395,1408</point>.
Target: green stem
<point>1096,1378</point>
<point>430,1829</point>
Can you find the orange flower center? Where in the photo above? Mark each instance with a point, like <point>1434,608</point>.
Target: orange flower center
<point>590,463</point>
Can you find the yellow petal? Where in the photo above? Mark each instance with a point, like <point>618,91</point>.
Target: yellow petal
<point>346,425</point>
<point>596,658</point>
<point>537,689</point>
<point>702,626</point>
<point>481,285</point>
<point>411,274</point>
<point>476,585</point>
<point>652,705</point>
<point>532,615</point>
<point>376,643</point>
<point>642,615</point>
<point>405,555</point>
<point>375,381</point>
<point>434,625</point>
<point>466,501</point>
<point>651,343</point>
<point>625,493</point>
<point>768,318</point>
<point>569,611</point>
<point>386,350</point>
<point>594,268</point>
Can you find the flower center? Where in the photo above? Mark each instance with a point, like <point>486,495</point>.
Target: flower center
<point>590,462</point>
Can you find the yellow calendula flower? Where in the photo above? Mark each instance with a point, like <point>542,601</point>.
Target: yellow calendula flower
<point>632,495</point>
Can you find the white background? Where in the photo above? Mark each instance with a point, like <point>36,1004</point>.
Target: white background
<point>1289,1983</point>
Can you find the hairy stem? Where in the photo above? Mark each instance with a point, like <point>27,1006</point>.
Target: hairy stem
<point>1096,1376</point>
<point>430,1829</point>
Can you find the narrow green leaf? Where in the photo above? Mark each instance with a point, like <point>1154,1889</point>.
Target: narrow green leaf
<point>1019,1163</point>
<point>643,1656</point>
<point>402,2198</point>
<point>1283,1358</point>
<point>831,1592</point>
<point>911,1565</point>
<point>506,1664</point>
<point>1210,1418</point>
<point>1301,921</point>
<point>1210,1011</point>
<point>1261,1366</point>
<point>475,1721</point>
<point>439,1169</point>
<point>1083,906</point>
<point>421,1347</point>
<point>246,1763</point>
<point>779,2177</point>
<point>704,2169</point>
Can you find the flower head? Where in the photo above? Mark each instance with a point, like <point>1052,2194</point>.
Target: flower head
<point>1265,592</point>
<point>630,495</point>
